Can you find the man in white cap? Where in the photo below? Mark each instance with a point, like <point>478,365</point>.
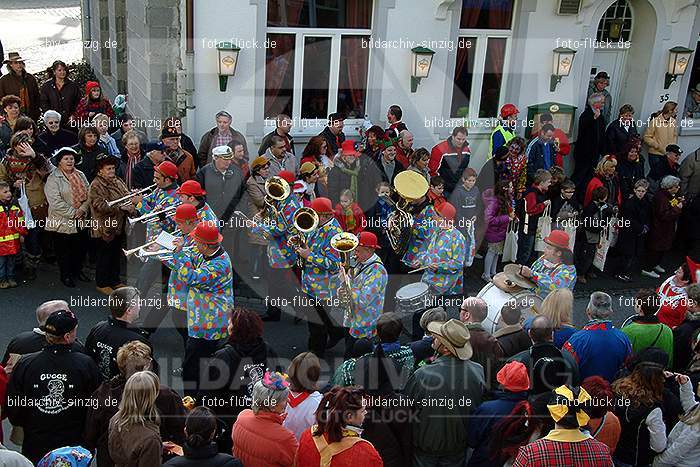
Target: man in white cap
<point>222,180</point>
<point>446,391</point>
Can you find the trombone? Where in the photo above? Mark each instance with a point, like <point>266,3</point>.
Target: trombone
<point>154,216</point>
<point>305,221</point>
<point>127,199</point>
<point>344,243</point>
<point>276,190</point>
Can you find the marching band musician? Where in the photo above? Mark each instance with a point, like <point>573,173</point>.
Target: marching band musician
<point>280,256</point>
<point>423,228</point>
<point>191,192</point>
<point>368,282</point>
<point>108,222</point>
<point>186,219</point>
<point>554,269</point>
<point>444,255</point>
<point>165,195</point>
<point>319,279</point>
<point>207,273</point>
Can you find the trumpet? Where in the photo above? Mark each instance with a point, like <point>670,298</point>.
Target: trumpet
<point>127,199</point>
<point>162,254</point>
<point>154,216</point>
<point>276,190</point>
<point>130,252</point>
<point>344,243</point>
<point>305,221</point>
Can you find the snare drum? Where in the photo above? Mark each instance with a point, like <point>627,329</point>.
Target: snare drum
<point>413,298</point>
<point>495,298</point>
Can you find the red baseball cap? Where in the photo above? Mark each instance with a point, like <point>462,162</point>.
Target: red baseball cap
<point>322,206</point>
<point>287,176</point>
<point>207,232</point>
<point>349,147</point>
<point>167,169</point>
<point>185,212</point>
<point>446,210</point>
<point>191,188</point>
<point>559,239</point>
<point>369,240</point>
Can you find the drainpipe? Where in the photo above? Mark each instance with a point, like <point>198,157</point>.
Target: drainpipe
<point>189,52</point>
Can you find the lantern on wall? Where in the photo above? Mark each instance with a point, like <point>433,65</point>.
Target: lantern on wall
<point>561,65</point>
<point>678,60</point>
<point>228,59</point>
<point>422,60</point>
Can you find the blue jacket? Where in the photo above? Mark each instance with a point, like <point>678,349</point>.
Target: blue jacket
<point>539,156</point>
<point>482,421</point>
<point>599,349</point>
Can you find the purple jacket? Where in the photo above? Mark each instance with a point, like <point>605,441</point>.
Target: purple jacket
<point>496,224</point>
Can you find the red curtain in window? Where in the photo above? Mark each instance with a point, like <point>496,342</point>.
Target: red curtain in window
<point>353,70</point>
<point>277,65</point>
<point>358,13</point>
<point>486,14</point>
<point>493,76</point>
<point>284,12</point>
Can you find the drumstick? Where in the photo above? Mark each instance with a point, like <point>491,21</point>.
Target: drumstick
<point>424,267</point>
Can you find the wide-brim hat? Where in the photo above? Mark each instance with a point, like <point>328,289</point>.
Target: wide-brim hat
<point>512,272</point>
<point>13,57</point>
<point>454,335</point>
<point>105,159</point>
<point>170,132</point>
<point>502,281</point>
<point>65,151</point>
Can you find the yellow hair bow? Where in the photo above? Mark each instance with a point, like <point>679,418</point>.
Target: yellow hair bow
<point>559,410</point>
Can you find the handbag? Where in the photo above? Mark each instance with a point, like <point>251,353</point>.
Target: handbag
<point>23,202</point>
<point>601,251</point>
<point>544,228</point>
<point>510,245</point>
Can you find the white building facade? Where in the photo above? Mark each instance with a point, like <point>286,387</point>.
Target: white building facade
<point>307,59</point>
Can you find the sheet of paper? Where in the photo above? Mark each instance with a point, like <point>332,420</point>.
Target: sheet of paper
<point>165,240</point>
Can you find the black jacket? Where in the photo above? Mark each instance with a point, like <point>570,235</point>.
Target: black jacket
<point>206,456</point>
<point>105,339</point>
<point>64,101</point>
<point>58,381</point>
<point>552,367</point>
<point>32,341</point>
<point>333,141</point>
<point>683,336</point>
<point>616,137</point>
<point>62,138</point>
<point>589,145</point>
<point>86,161</point>
<point>628,173</point>
<point>142,174</point>
<point>267,142</point>
<point>388,428</point>
<point>636,215</point>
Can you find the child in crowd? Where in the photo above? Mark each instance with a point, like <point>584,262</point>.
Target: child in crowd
<point>497,213</point>
<point>565,207</point>
<point>529,210</point>
<point>12,227</point>
<point>466,198</point>
<point>349,214</point>
<point>300,193</point>
<point>377,217</point>
<point>436,191</point>
<point>595,216</point>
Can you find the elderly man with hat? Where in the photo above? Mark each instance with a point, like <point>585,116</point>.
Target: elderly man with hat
<point>108,222</point>
<point>598,86</point>
<point>207,272</point>
<point>191,192</point>
<point>368,281</point>
<point>444,256</point>
<point>668,164</point>
<point>319,280</point>
<point>554,269</point>
<point>58,381</point>
<point>221,135</point>
<point>281,257</point>
<point>224,181</point>
<point>447,390</point>
<point>170,136</point>
<point>280,158</point>
<point>18,82</point>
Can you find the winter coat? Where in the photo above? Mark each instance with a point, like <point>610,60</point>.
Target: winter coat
<point>224,190</point>
<point>255,193</point>
<point>86,160</point>
<point>205,456</point>
<point>55,376</point>
<point>606,111</point>
<point>613,186</point>
<point>136,445</point>
<point>617,137</point>
<point>106,222</point>
<point>452,162</point>
<point>109,393</point>
<point>142,174</point>
<point>487,352</point>
<point>388,428</point>
<point>512,339</point>
<point>334,142</point>
<point>87,106</point>
<point>496,223</point>
<point>12,228</point>
<point>206,144</point>
<point>664,214</point>
<point>540,156</point>
<point>482,421</point>
<point>185,164</point>
<point>361,454</point>
<point>683,340</point>
<point>636,221</point>
<point>13,84</point>
<point>232,371</point>
<point>646,332</point>
<point>595,217</point>
<point>545,381</point>
<point>441,429</point>
<point>599,349</point>
<point>33,171</point>
<point>52,141</point>
<point>380,174</point>
<point>563,211</point>
<point>689,173</point>
<point>357,214</point>
<point>628,172</point>
<point>659,134</point>
<point>64,101</point>
<point>260,440</point>
<point>105,339</point>
<point>267,142</point>
<point>589,146</point>
<point>61,211</point>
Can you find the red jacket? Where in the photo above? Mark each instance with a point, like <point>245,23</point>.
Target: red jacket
<point>595,183</point>
<point>261,440</point>
<point>358,215</point>
<point>564,146</point>
<point>11,228</point>
<point>442,149</point>
<point>362,454</point>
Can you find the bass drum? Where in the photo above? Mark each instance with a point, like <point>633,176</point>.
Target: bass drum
<point>495,298</point>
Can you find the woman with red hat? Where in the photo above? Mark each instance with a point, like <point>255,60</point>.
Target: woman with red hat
<point>444,257</point>
<point>319,279</point>
<point>92,104</point>
<point>554,269</point>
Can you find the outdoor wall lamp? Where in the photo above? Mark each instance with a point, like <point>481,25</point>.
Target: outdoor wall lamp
<point>422,59</point>
<point>678,59</point>
<point>561,65</point>
<point>228,59</point>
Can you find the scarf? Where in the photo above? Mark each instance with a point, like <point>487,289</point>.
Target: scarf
<point>350,221</point>
<point>130,164</point>
<point>353,173</point>
<point>78,189</point>
<point>296,398</point>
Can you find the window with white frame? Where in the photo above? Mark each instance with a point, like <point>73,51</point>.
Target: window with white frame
<point>317,60</point>
<point>482,50</point>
